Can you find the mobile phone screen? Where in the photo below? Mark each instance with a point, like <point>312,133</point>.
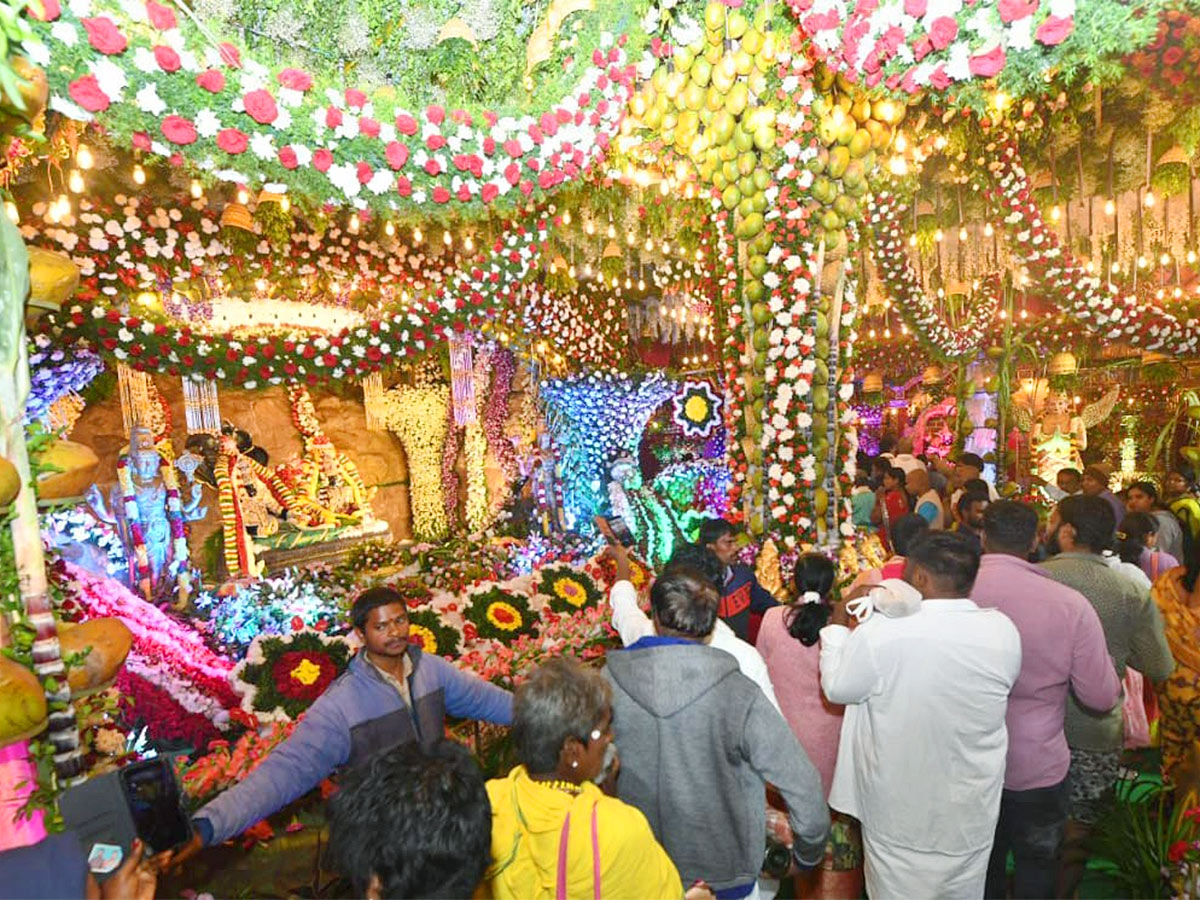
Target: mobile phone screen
<point>621,531</point>
<point>153,797</point>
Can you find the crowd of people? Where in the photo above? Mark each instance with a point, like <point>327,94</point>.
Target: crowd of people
<point>968,700</point>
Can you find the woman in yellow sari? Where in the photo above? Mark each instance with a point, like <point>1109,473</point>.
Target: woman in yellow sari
<point>1177,595</point>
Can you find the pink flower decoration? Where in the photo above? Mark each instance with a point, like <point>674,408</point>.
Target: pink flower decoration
<point>104,36</point>
<point>355,99</point>
<point>178,130</point>
<point>942,31</point>
<point>1054,30</point>
<point>435,114</point>
<point>985,65</point>
<point>167,59</point>
<point>396,154</point>
<point>86,91</point>
<point>260,106</point>
<point>322,160</point>
<point>295,79</point>
<point>287,158</point>
<point>212,80</point>
<point>233,141</point>
<point>406,124</point>
<point>1015,10</point>
<point>161,17</point>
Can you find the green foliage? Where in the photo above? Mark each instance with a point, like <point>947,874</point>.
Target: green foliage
<point>14,31</point>
<point>1134,836</point>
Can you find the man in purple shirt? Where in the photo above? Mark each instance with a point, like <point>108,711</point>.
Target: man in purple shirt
<point>1062,648</point>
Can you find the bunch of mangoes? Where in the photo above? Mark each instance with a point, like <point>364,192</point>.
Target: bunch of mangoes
<point>852,130</point>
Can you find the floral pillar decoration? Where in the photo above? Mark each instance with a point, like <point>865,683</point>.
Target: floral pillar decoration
<point>419,416</point>
<point>462,381</point>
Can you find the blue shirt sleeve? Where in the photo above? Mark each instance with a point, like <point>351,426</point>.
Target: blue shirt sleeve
<point>470,697</point>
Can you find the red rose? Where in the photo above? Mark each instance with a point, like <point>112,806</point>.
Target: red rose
<point>432,168</point>
<point>295,79</point>
<point>921,47</point>
<point>260,106</point>
<point>1015,10</point>
<point>178,130</point>
<point>167,59</point>
<point>513,148</point>
<point>161,17</point>
<point>489,193</point>
<point>292,687</point>
<point>231,140</point>
<point>396,154</point>
<point>406,124</point>
<point>230,55</point>
<point>942,31</point>
<point>1054,30</point>
<point>1172,55</point>
<point>915,8</point>
<point>355,99</point>
<point>1177,851</point>
<point>435,114</point>
<point>368,126</point>
<point>403,186</point>
<point>435,142</point>
<point>212,80</point>
<point>939,79</point>
<point>985,65</point>
<point>333,117</point>
<point>46,11</point>
<point>104,36</point>
<point>364,173</point>
<point>287,158</point>
<point>322,160</point>
<point>85,91</point>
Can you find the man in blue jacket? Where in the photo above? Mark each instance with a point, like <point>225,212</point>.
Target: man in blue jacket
<point>390,694</point>
<point>741,594</point>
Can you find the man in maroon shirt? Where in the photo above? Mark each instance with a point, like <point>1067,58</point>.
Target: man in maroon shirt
<point>1062,648</point>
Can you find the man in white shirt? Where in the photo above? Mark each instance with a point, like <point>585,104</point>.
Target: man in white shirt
<point>927,503</point>
<point>922,756</point>
<point>632,624</point>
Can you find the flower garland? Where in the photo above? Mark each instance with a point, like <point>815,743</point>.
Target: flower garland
<point>495,421</point>
<point>696,409</point>
<point>155,343</point>
<point>55,372</point>
<point>277,605</point>
<point>916,45</point>
<point>499,614</point>
<point>1098,305</point>
<point>450,492</point>
<point>901,285</point>
<point>567,589</point>
<point>281,677</point>
<point>156,81</point>
<point>588,325</point>
<point>733,349</point>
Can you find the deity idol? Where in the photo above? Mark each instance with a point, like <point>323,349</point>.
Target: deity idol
<point>1058,438</point>
<point>146,508</point>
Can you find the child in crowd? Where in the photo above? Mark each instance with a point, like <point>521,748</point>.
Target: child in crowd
<point>1137,544</point>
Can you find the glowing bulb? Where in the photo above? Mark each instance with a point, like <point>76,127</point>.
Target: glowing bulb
<point>988,230</point>
<point>285,204</point>
<point>446,239</point>
<point>352,227</point>
<point>962,233</point>
<point>417,236</point>
<point>587,270</point>
<point>10,209</point>
<point>1024,314</point>
<point>64,206</point>
<point>1003,314</point>
<point>139,175</point>
<point>84,158</point>
<point>566,217</point>
<point>612,232</point>
<point>872,334</point>
<point>631,239</point>
<point>75,181</point>
<point>197,190</point>
<point>1142,262</point>
<point>901,143</point>
<point>1110,208</point>
<point>614,281</point>
<point>912,240</point>
<point>1177,293</point>
<point>261,285</point>
<point>1165,259</point>
<point>666,248</point>
<point>887,333</point>
<point>1191,257</point>
<point>1148,200</point>
<point>571,271</point>
<point>898,166</point>
<point>589,227</point>
<point>628,282</point>
<point>1055,213</point>
<point>649,244</point>
<point>1089,267</point>
<point>243,196</point>
<point>938,236</point>
<point>1000,101</point>
<point>641,284</point>
<point>1115,268</point>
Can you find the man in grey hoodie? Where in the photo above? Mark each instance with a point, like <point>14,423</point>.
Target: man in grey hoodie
<point>699,742</point>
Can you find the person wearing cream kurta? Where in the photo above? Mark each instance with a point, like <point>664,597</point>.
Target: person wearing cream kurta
<point>922,754</point>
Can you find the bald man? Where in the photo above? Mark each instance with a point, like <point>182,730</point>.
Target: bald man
<point>926,502</point>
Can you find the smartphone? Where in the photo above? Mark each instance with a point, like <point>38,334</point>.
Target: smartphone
<point>620,530</point>
<point>153,797</point>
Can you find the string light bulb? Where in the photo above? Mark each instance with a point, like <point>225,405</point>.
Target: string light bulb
<point>988,230</point>
<point>1191,257</point>
<point>446,239</point>
<point>1110,208</point>
<point>1142,262</point>
<point>84,158</point>
<point>566,217</point>
<point>285,204</point>
<point>469,246</point>
<point>75,181</point>
<point>912,240</point>
<point>1148,200</point>
<point>243,196</point>
<point>389,229</point>
<point>417,236</point>
<point>962,233</point>
<point>1055,213</point>
<point>139,175</point>
<point>612,231</point>
<point>590,227</point>
<point>641,284</point>
<point>939,236</point>
<point>666,248</point>
<point>64,206</point>
<point>352,227</point>
<point>197,189</point>
<point>631,239</point>
<point>1165,259</point>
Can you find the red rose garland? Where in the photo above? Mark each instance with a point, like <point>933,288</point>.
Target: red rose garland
<point>1101,307</point>
<point>734,407</point>
<point>904,289</point>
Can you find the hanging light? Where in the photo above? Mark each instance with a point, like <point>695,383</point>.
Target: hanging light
<point>1165,259</point>
<point>352,227</point>
<point>1148,200</point>
<point>566,217</point>
<point>1142,262</point>
<point>649,244</point>
<point>139,175</point>
<point>388,228</point>
<point>1115,268</point>
<point>1055,213</point>
<point>590,227</point>
<point>666,248</point>
<point>446,239</point>
<point>197,189</point>
<point>988,230</point>
<point>912,240</point>
<point>285,204</point>
<point>84,158</point>
<point>261,285</point>
<point>939,236</point>
<point>587,270</point>
<point>631,239</point>
<point>417,236</point>
<point>1110,208</point>
<point>962,233</point>
<point>612,232</point>
<point>898,165</point>
<point>641,284</point>
<point>75,181</point>
<point>571,271</point>
<point>243,196</point>
<point>64,206</point>
<point>1191,257</point>
<point>628,282</point>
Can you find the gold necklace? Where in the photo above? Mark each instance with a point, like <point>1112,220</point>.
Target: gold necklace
<point>559,785</point>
